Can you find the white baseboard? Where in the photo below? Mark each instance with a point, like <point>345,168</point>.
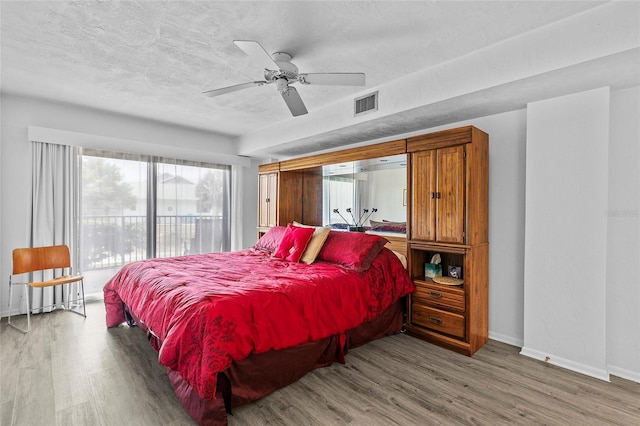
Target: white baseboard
<point>509,340</point>
<point>4,313</point>
<point>89,297</point>
<point>588,370</point>
<point>623,373</point>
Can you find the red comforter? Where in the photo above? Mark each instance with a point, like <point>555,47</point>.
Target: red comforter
<point>208,310</point>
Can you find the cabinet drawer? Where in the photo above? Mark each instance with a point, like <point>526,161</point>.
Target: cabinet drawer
<point>435,319</point>
<point>437,296</point>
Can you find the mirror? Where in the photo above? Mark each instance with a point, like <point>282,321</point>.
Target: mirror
<point>366,195</point>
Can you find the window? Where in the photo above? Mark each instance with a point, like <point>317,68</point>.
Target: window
<point>137,207</point>
<point>340,195</point>
<point>113,213</point>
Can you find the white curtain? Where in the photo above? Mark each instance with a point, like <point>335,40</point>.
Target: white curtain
<point>360,200</point>
<point>53,208</point>
<point>237,176</point>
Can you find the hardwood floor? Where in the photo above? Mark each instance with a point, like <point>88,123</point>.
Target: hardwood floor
<point>73,371</point>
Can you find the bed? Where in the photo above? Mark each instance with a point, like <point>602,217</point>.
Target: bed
<point>232,327</point>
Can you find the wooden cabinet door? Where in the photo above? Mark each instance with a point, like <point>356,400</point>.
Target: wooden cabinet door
<point>423,189</point>
<point>450,195</point>
<point>437,194</point>
<point>273,200</point>
<point>267,207</point>
<point>263,206</point>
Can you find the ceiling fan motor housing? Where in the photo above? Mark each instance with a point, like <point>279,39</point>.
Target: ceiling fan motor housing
<point>286,68</point>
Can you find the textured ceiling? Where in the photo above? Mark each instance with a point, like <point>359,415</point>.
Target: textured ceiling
<point>153,59</point>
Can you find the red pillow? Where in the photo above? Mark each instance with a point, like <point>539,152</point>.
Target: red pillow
<point>354,250</point>
<point>270,241</point>
<point>294,242</point>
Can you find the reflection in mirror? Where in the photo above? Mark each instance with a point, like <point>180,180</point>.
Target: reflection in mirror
<point>366,195</point>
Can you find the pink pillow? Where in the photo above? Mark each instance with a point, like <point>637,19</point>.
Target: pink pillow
<point>270,241</point>
<point>354,250</point>
<point>294,242</point>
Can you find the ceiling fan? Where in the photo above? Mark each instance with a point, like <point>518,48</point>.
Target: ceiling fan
<point>279,69</point>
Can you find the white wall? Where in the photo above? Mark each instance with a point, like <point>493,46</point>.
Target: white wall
<point>507,146</point>
<point>623,243</point>
<point>566,231</point>
<point>250,204</point>
<point>18,113</point>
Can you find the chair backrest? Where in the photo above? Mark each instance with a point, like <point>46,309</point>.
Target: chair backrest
<point>40,258</point>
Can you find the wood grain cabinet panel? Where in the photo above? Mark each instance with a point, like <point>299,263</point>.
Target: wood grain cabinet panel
<point>449,197</point>
<point>423,206</point>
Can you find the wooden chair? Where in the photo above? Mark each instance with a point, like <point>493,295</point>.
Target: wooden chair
<point>27,260</point>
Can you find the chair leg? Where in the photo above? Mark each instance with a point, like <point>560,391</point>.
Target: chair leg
<point>26,296</point>
<point>10,300</point>
<point>69,288</point>
<point>84,310</point>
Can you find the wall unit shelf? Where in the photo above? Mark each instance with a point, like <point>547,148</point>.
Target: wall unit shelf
<point>449,193</point>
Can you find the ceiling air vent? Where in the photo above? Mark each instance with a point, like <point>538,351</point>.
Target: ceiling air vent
<point>366,103</point>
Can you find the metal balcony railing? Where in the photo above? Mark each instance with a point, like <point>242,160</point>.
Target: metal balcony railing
<point>112,241</point>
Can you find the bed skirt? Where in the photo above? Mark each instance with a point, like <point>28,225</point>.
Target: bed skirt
<point>261,374</point>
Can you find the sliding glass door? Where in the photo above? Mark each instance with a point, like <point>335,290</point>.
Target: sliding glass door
<point>135,207</point>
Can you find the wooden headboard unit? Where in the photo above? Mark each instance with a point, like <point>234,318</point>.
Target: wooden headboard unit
<point>298,194</point>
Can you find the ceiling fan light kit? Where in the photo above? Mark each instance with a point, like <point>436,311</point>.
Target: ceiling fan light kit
<point>282,84</point>
<point>279,69</point>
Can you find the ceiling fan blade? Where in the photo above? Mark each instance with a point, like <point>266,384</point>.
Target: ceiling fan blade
<point>229,89</point>
<point>294,102</point>
<point>333,78</point>
<point>257,54</point>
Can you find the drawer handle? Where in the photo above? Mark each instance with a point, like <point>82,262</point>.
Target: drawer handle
<point>435,320</point>
<point>435,294</point>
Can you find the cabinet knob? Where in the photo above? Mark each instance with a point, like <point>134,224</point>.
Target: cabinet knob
<point>435,294</point>
<point>435,320</point>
